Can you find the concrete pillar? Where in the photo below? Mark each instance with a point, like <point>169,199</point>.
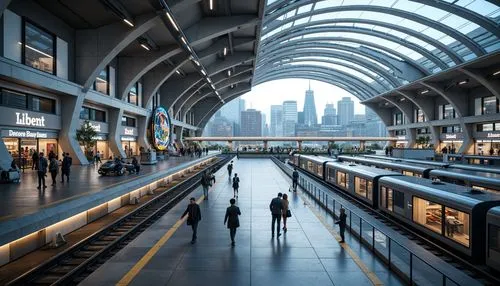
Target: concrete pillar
<point>70,115</point>
<point>5,157</point>
<point>300,145</point>
<point>115,128</point>
<point>230,145</point>
<point>142,130</point>
<point>362,145</point>
<point>265,144</point>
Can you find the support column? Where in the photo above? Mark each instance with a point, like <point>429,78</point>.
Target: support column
<point>115,129</point>
<point>70,115</point>
<point>5,157</point>
<point>230,145</point>
<point>265,144</point>
<point>300,145</point>
<point>142,130</point>
<point>362,145</point>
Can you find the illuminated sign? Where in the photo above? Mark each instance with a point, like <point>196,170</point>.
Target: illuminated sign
<point>401,137</point>
<point>128,131</point>
<point>161,129</point>
<point>99,138</point>
<point>127,138</point>
<point>26,120</point>
<point>96,127</point>
<point>493,135</point>
<point>27,134</point>
<point>450,136</point>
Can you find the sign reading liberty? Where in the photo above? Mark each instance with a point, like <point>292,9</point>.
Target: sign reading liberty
<point>161,129</point>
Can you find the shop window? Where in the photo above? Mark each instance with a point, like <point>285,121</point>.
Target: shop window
<point>485,127</point>
<point>39,48</point>
<point>428,214</point>
<point>493,240</point>
<point>101,83</point>
<point>363,187</point>
<point>490,105</point>
<point>451,129</point>
<point>14,99</point>
<point>133,95</point>
<point>342,179</point>
<point>457,226</point>
<point>401,132</point>
<point>42,104</point>
<point>128,121</point>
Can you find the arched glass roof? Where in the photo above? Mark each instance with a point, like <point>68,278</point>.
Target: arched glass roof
<point>373,46</point>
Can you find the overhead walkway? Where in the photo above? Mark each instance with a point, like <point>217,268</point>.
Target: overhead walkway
<point>308,254</point>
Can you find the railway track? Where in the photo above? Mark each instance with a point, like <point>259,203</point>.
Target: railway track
<point>480,273</point>
<point>74,264</point>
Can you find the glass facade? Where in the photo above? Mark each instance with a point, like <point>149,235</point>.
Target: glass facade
<point>486,105</point>
<point>39,48</point>
<point>101,83</point>
<point>87,113</point>
<point>24,101</point>
<point>128,121</point>
<point>133,95</point>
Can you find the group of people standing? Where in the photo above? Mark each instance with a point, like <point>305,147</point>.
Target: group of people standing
<point>52,166</point>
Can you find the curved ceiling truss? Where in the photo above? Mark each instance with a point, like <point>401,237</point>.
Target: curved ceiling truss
<point>374,46</point>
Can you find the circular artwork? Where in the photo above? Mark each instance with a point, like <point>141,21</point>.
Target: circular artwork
<point>161,129</point>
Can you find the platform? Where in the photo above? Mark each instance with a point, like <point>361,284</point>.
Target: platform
<point>308,254</point>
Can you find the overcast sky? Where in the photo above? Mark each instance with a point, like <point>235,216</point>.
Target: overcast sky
<point>261,97</point>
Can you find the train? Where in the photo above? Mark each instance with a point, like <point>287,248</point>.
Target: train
<point>456,216</point>
<point>476,177</point>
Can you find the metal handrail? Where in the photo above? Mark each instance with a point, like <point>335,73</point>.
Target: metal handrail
<point>322,197</point>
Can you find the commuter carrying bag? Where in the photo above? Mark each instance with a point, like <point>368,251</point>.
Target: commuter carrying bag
<point>189,221</point>
<point>288,213</point>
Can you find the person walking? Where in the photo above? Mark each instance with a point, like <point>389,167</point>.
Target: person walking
<point>236,185</point>
<point>284,211</point>
<point>276,207</point>
<point>342,224</point>
<point>137,166</point>
<point>53,169</point>
<point>66,167</point>
<point>98,157</point>
<point>35,157</point>
<point>233,222</point>
<point>230,169</point>
<point>194,216</point>
<point>205,183</point>
<point>42,171</point>
<point>212,177</point>
<point>295,179</point>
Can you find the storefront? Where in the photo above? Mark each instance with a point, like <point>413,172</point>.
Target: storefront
<point>487,143</point>
<point>129,141</point>
<point>24,132</point>
<point>452,142</point>
<point>102,144</point>
<point>402,142</point>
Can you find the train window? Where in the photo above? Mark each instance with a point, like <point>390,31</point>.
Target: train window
<point>310,166</point>
<point>408,173</point>
<point>330,175</point>
<point>363,187</point>
<point>320,170</point>
<point>493,240</point>
<point>390,206</point>
<point>399,199</point>
<point>457,226</point>
<point>342,179</point>
<point>383,194</point>
<point>428,214</point>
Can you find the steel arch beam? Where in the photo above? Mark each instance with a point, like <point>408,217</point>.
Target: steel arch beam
<point>468,42</point>
<point>314,30</point>
<point>406,109</point>
<point>375,77</point>
<point>491,86</point>
<point>339,55</point>
<point>457,59</point>
<point>334,73</point>
<point>319,43</point>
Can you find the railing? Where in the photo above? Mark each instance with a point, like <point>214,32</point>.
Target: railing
<point>410,267</point>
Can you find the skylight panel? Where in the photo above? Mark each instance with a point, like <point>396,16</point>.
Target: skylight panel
<point>305,8</point>
<point>481,7</point>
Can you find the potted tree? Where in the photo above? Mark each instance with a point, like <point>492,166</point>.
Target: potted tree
<point>86,137</point>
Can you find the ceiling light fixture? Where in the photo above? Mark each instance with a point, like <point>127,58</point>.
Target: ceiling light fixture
<point>228,72</point>
<point>211,4</point>
<point>216,92</point>
<point>402,99</point>
<point>213,87</point>
<point>128,22</point>
<point>178,72</point>
<point>463,82</point>
<point>225,51</point>
<point>496,73</point>
<point>209,80</point>
<point>424,91</point>
<point>203,72</point>
<point>196,62</point>
<point>172,21</point>
<point>145,46</point>
<point>184,41</point>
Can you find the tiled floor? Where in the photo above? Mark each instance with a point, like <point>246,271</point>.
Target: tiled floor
<point>307,254</point>
<point>24,198</point>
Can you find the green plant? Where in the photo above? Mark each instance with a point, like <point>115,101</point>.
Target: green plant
<point>423,141</point>
<point>86,137</point>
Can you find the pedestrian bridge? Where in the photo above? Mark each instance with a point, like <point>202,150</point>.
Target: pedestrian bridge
<point>299,140</point>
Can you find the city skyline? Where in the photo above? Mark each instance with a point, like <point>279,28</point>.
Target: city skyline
<point>274,93</point>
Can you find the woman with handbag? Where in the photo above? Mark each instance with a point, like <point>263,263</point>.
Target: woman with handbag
<point>285,211</point>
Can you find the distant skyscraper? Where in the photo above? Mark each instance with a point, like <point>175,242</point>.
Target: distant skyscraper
<point>263,123</point>
<point>276,120</point>
<point>251,123</point>
<point>330,115</point>
<point>310,117</point>
<point>289,117</point>
<point>300,117</point>
<point>345,111</point>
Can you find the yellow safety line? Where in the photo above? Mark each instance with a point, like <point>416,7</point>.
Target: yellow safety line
<point>132,273</point>
<point>370,274</point>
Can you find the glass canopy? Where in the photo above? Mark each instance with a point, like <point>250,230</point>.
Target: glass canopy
<point>372,46</point>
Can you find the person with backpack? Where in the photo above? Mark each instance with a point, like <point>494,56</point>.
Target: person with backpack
<point>276,208</point>
<point>53,169</point>
<point>231,217</point>
<point>236,185</point>
<point>230,169</point>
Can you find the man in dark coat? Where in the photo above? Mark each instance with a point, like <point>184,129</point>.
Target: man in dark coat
<point>342,224</point>
<point>295,179</point>
<point>194,216</point>
<point>233,222</point>
<point>205,183</point>
<point>276,208</point>
<point>66,167</point>
<point>42,171</point>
